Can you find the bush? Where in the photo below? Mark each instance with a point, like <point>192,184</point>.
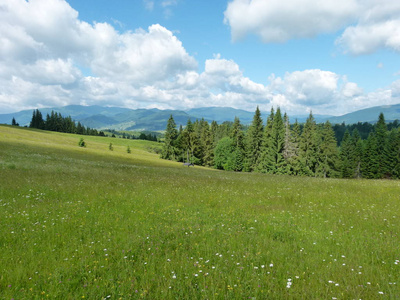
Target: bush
<point>82,143</point>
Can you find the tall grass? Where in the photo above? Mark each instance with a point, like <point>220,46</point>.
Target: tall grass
<point>90,223</point>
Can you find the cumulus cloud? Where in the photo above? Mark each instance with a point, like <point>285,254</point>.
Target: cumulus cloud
<point>49,57</point>
<point>279,21</point>
<point>325,92</point>
<point>368,24</point>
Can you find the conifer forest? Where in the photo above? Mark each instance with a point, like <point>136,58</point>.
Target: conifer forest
<point>279,147</point>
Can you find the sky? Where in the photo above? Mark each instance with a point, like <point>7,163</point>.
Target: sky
<point>330,57</point>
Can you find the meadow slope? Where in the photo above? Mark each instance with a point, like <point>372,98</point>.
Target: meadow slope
<point>92,223</point>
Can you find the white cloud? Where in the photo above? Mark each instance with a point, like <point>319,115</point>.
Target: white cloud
<point>309,87</point>
<point>45,50</point>
<point>279,21</point>
<point>325,92</point>
<point>368,24</point>
<point>369,37</point>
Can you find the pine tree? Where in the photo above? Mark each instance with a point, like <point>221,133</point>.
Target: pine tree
<point>262,165</point>
<point>168,150</point>
<point>358,152</point>
<point>253,142</point>
<point>370,163</point>
<point>381,140</point>
<point>273,144</point>
<point>237,134</point>
<point>327,154</point>
<point>189,141</point>
<point>308,147</point>
<point>37,120</point>
<point>293,159</point>
<point>237,137</point>
<point>392,154</point>
<point>347,156</point>
<point>207,144</point>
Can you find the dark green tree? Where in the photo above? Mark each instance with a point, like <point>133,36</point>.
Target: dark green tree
<point>273,145</point>
<point>37,120</point>
<point>14,123</point>
<point>171,134</point>
<point>327,153</point>
<point>392,154</point>
<point>223,154</point>
<point>358,153</point>
<point>347,156</point>
<point>381,140</point>
<point>253,142</point>
<point>308,147</point>
<point>370,163</point>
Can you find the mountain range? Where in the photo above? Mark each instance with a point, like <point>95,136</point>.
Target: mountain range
<point>117,118</point>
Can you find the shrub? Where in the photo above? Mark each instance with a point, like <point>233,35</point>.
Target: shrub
<point>82,143</point>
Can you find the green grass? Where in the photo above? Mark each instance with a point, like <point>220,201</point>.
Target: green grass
<point>92,223</point>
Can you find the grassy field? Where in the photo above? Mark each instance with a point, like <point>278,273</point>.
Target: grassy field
<point>90,223</point>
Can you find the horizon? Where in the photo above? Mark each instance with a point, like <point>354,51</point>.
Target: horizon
<point>187,110</point>
<point>331,59</point>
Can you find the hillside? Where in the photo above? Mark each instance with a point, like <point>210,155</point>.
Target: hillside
<point>102,224</point>
<point>370,115</point>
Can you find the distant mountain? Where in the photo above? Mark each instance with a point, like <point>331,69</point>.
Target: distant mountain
<point>117,118</point>
<point>222,114</point>
<point>370,115</point>
<point>77,112</point>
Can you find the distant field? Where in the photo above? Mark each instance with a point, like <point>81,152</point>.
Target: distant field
<point>90,223</point>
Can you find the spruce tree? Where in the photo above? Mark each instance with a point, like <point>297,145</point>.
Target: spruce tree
<point>381,140</point>
<point>308,147</point>
<point>37,120</point>
<point>358,153</point>
<point>273,145</point>
<point>347,156</point>
<point>237,137</point>
<point>168,150</point>
<point>392,154</point>
<point>189,141</point>
<point>327,154</point>
<point>237,134</point>
<point>293,161</point>
<point>370,163</point>
<point>253,142</point>
<point>208,145</point>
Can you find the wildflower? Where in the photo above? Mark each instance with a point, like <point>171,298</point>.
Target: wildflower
<point>271,265</point>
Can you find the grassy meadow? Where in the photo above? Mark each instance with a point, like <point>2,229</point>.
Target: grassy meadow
<point>90,223</point>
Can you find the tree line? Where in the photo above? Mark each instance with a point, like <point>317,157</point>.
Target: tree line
<point>56,122</point>
<point>278,147</point>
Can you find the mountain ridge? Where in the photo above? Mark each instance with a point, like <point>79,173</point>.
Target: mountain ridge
<point>117,118</point>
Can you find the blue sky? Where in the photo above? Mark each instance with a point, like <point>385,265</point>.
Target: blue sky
<point>331,56</point>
